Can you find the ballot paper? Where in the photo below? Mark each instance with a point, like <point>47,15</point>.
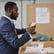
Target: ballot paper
<point>31,49</point>
<point>49,49</point>
<point>38,48</point>
<point>33,24</point>
<point>34,49</point>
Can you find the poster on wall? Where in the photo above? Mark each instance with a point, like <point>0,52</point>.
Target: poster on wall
<point>42,15</point>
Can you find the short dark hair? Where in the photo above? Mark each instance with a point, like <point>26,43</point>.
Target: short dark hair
<point>9,5</point>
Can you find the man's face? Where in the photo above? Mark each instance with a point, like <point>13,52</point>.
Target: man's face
<point>14,13</point>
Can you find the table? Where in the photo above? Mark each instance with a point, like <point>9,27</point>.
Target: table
<point>46,44</point>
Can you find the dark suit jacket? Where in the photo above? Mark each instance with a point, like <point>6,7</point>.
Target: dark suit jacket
<point>9,42</point>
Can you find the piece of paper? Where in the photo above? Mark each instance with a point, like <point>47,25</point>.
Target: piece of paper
<point>31,49</point>
<point>33,24</point>
<point>49,49</point>
<point>34,49</point>
<point>42,15</point>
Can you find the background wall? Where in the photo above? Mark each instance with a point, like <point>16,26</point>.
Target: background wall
<point>22,4</point>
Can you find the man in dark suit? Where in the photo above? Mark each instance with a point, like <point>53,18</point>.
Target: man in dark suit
<point>9,42</point>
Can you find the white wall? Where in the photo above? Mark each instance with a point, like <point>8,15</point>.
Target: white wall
<point>1,8</point>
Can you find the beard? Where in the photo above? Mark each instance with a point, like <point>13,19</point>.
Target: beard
<point>13,16</point>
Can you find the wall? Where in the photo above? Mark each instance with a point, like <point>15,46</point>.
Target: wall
<point>21,21</point>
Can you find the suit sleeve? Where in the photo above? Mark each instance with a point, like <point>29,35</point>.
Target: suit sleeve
<point>20,31</point>
<point>11,37</point>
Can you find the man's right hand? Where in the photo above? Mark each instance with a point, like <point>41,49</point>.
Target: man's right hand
<point>31,29</point>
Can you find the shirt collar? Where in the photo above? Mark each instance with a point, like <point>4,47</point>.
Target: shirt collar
<point>8,18</point>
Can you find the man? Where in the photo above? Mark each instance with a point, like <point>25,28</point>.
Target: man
<point>9,42</point>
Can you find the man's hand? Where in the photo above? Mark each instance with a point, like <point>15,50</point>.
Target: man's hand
<point>31,28</point>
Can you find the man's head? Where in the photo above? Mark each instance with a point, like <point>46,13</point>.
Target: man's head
<point>11,10</point>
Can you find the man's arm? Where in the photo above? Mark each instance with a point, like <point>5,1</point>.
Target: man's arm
<point>20,31</point>
<point>11,37</point>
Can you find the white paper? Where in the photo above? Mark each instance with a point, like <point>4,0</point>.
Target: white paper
<point>31,49</point>
<point>35,48</point>
<point>42,15</point>
<point>49,49</point>
<point>33,24</point>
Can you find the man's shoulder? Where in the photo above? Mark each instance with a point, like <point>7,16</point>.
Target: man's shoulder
<point>4,20</point>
